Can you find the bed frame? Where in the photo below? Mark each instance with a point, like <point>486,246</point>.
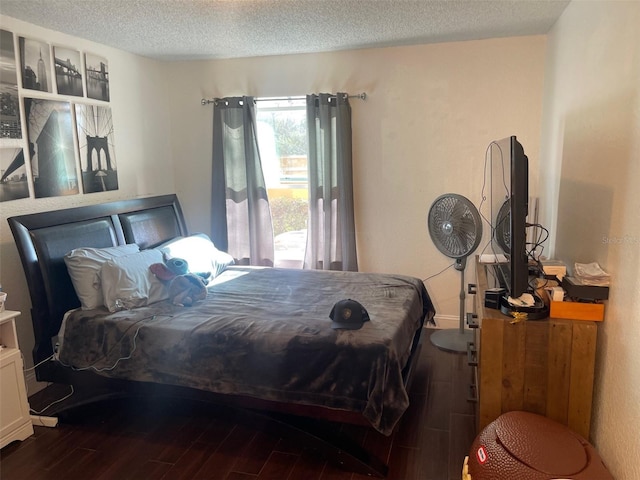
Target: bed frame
<point>43,239</point>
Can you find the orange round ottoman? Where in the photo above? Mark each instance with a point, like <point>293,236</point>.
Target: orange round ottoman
<point>526,446</point>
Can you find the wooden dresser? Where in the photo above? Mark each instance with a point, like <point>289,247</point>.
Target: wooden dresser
<point>540,366</point>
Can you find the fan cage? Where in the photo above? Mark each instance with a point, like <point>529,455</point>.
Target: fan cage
<point>454,225</point>
<point>502,231</point>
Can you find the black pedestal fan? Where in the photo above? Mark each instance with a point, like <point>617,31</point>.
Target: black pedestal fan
<point>456,230</point>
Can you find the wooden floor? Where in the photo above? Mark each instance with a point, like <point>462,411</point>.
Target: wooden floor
<point>174,441</point>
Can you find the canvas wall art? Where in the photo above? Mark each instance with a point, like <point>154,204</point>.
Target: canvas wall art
<point>13,174</point>
<point>96,146</point>
<point>51,148</point>
<point>68,71</point>
<point>97,75</point>
<point>10,126</point>
<point>35,61</point>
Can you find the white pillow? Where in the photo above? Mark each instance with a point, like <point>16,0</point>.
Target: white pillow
<point>127,281</point>
<point>84,264</point>
<point>201,254</point>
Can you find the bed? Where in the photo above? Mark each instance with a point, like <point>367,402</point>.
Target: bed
<point>261,340</point>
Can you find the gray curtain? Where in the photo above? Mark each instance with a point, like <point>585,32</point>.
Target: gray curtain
<point>241,218</point>
<point>331,239</point>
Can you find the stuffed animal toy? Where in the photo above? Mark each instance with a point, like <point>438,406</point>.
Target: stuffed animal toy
<point>176,265</point>
<point>184,288</point>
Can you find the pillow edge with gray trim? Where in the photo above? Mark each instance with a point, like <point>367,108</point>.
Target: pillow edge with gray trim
<point>128,282</point>
<point>84,264</point>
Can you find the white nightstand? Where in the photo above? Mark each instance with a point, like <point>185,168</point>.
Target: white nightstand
<point>15,422</point>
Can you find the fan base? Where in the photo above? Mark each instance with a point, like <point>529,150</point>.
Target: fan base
<point>452,340</point>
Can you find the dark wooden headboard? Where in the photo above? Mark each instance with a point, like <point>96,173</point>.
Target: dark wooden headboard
<point>44,238</point>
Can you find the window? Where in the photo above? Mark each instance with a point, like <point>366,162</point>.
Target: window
<point>282,140</point>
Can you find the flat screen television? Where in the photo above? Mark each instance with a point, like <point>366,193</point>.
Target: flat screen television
<point>519,208</point>
<point>518,256</point>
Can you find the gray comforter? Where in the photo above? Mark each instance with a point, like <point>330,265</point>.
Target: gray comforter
<point>266,333</point>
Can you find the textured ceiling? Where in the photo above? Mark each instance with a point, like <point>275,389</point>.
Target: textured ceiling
<point>207,29</point>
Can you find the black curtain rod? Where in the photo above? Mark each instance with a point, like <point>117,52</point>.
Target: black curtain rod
<point>207,101</point>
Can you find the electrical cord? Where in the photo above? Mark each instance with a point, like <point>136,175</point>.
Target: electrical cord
<point>537,246</point>
<point>440,272</point>
<point>126,357</point>
<point>40,412</point>
<point>488,155</point>
<point>37,364</point>
<point>104,369</point>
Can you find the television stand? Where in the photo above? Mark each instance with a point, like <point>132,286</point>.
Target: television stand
<point>538,311</point>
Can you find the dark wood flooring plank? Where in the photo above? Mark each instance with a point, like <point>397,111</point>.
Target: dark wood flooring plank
<point>150,470</point>
<point>84,465</point>
<point>278,466</point>
<point>14,457</point>
<point>220,463</point>
<point>432,461</point>
<point>438,405</point>
<point>403,464</point>
<point>332,472</point>
<point>253,458</point>
<point>289,445</point>
<point>440,363</point>
<point>460,382</point>
<point>123,456</point>
<point>241,476</point>
<point>461,436</point>
<point>178,439</point>
<point>417,414</point>
<point>45,451</point>
<point>309,466</point>
<point>216,432</point>
<point>422,372</point>
<point>191,462</point>
<point>379,445</point>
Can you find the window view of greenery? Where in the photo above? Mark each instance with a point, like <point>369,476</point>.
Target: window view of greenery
<point>282,139</point>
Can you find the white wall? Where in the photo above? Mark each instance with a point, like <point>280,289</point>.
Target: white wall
<point>590,171</point>
<point>431,111</point>
<point>142,137</point>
